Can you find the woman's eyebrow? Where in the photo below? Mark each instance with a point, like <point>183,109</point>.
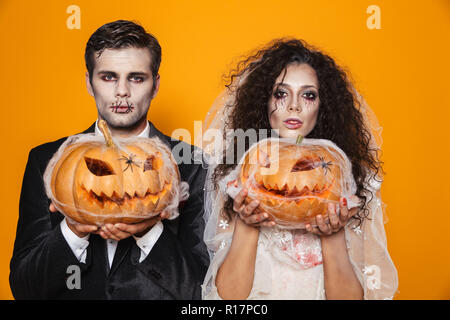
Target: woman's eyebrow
<point>306,86</point>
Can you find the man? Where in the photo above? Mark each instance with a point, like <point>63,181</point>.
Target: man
<point>154,259</point>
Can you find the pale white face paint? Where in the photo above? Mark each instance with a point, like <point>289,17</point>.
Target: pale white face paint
<point>123,87</point>
<point>294,104</point>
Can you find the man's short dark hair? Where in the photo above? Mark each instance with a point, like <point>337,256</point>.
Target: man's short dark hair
<point>122,34</point>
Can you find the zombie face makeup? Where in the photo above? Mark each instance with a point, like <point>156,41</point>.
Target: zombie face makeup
<point>122,107</point>
<point>294,104</point>
<point>123,87</point>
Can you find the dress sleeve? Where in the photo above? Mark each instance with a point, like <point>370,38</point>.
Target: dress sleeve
<point>368,252</point>
<point>218,237</point>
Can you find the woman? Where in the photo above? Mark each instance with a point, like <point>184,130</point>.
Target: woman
<point>294,90</point>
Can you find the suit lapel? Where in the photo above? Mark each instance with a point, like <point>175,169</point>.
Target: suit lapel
<point>164,265</point>
<point>91,129</point>
<point>156,133</point>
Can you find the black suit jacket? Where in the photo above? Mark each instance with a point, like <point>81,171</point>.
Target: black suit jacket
<point>40,265</point>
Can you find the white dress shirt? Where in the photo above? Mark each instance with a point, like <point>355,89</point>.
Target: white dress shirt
<point>145,243</point>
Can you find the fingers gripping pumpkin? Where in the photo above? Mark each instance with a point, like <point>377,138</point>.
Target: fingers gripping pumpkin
<point>94,182</point>
<point>294,182</point>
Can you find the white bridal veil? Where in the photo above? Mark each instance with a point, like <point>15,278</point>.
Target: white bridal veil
<point>366,242</point>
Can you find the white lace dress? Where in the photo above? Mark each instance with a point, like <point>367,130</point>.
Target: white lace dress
<point>288,266</point>
<point>289,262</point>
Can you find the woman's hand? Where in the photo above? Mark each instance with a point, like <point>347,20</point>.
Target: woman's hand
<point>335,223</point>
<point>250,213</point>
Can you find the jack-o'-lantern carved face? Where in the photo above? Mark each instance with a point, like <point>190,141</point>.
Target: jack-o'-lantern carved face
<point>293,182</point>
<point>97,184</point>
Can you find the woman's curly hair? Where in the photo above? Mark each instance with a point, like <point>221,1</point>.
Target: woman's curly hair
<point>339,118</point>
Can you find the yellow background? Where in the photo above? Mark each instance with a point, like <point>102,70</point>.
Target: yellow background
<point>402,70</point>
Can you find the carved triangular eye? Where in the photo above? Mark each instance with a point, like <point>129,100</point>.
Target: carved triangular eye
<point>98,167</point>
<point>304,165</point>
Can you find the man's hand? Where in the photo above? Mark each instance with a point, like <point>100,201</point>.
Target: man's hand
<point>250,213</point>
<point>81,230</point>
<point>120,231</point>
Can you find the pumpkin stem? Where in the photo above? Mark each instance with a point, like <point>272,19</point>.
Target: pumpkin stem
<point>299,139</point>
<point>106,133</point>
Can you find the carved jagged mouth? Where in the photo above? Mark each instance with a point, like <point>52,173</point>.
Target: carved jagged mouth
<point>103,199</point>
<point>285,192</point>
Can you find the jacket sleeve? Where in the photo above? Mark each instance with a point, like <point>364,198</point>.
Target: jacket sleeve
<point>41,256</point>
<point>192,224</point>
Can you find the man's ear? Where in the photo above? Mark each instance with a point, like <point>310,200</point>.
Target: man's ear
<point>88,85</point>
<point>155,86</point>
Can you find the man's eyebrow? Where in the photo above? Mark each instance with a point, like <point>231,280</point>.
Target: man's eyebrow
<point>131,74</point>
<point>107,72</point>
<point>138,73</point>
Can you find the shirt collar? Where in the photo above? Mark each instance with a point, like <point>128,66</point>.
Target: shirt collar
<point>145,133</point>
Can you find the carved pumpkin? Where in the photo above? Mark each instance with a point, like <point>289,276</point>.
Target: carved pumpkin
<point>95,182</point>
<point>294,182</point>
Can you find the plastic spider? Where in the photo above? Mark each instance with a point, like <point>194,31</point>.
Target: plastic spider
<point>129,162</point>
<point>325,165</point>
